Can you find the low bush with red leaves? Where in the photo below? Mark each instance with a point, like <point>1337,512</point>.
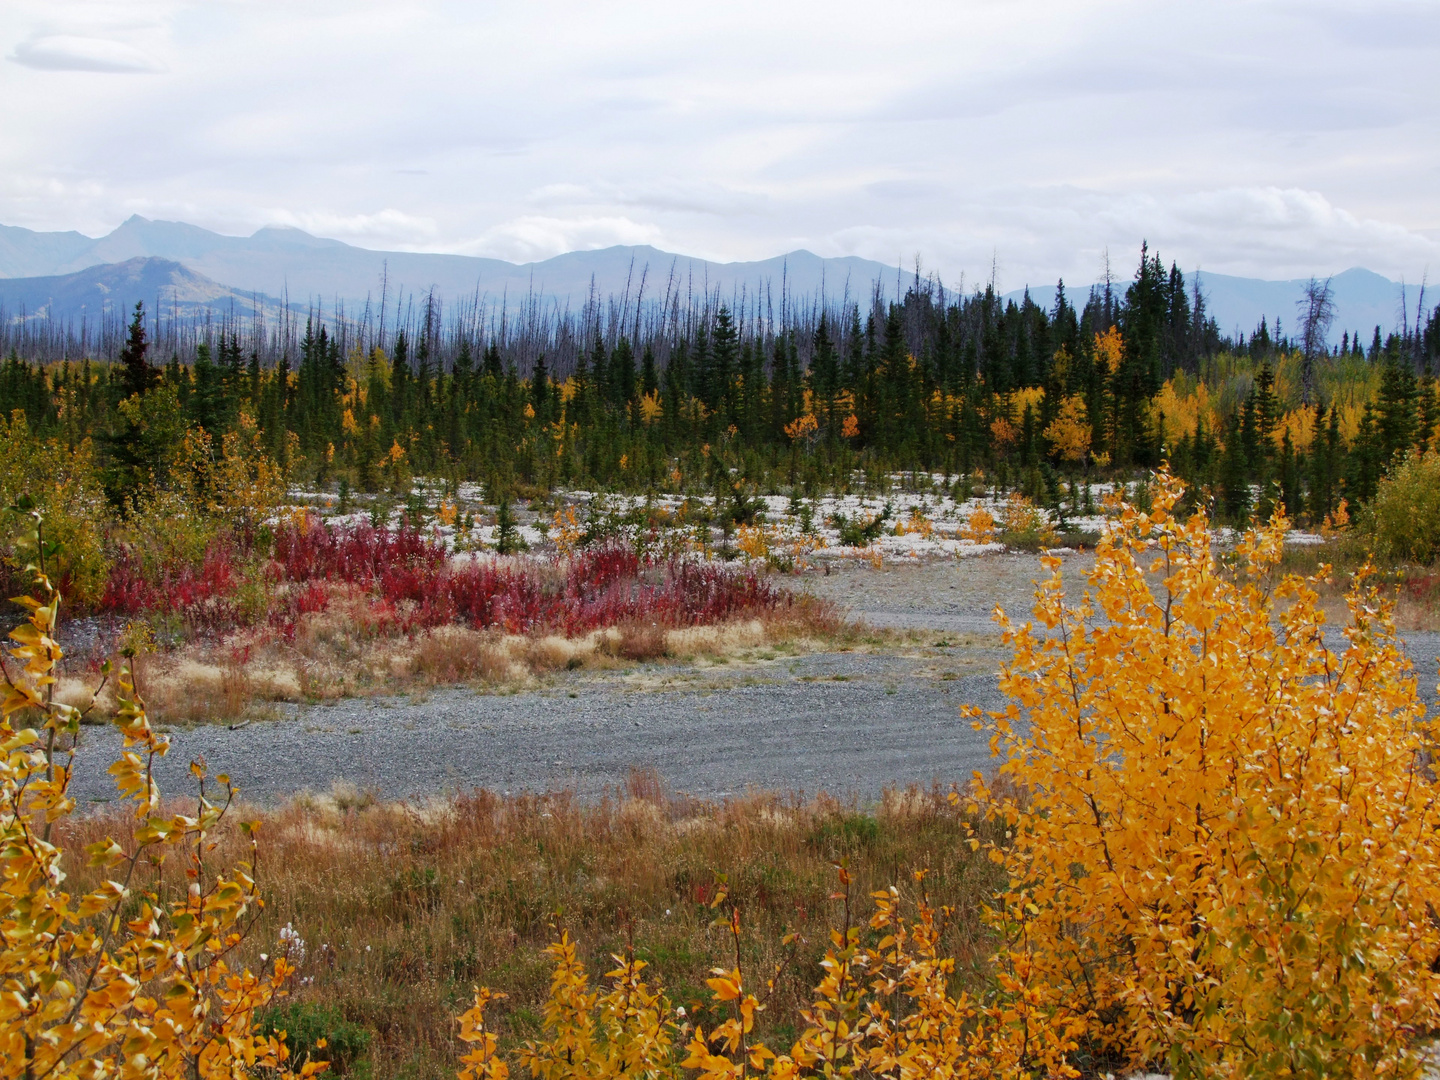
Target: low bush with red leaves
<point>410,578</point>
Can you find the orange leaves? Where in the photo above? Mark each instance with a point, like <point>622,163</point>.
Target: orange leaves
<point>1109,349</point>
<point>115,983</point>
<point>880,1010</point>
<point>566,531</point>
<point>1193,861</point>
<point>980,526</point>
<point>802,427</point>
<point>480,1062</point>
<point>726,985</point>
<point>1003,432</point>
<point>850,427</point>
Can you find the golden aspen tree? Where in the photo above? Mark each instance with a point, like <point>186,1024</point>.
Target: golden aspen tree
<point>1229,851</point>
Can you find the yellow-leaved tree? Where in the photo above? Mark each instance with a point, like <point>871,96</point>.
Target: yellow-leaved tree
<point>884,1007</point>
<point>118,982</point>
<point>1223,858</point>
<point>1229,855</point>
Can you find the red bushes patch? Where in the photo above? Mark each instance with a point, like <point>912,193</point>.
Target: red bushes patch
<point>412,579</point>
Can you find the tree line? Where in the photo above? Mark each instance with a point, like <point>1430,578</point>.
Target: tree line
<point>1116,380</point>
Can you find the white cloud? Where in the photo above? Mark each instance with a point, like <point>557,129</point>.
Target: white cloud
<point>1040,132</point>
<point>66,52</point>
<point>384,226</point>
<point>532,237</point>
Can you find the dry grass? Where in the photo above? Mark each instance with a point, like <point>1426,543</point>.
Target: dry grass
<point>1415,590</point>
<point>405,907</point>
<point>342,653</point>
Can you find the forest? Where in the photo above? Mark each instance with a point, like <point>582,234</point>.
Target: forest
<point>696,396</point>
<point>184,495</point>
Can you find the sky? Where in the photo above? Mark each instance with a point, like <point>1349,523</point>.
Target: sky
<point>1020,138</point>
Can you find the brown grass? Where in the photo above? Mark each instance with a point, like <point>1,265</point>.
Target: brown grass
<point>1414,590</point>
<point>404,907</point>
<point>639,641</point>
<point>341,652</point>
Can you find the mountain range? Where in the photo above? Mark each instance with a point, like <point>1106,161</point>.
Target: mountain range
<point>61,274</point>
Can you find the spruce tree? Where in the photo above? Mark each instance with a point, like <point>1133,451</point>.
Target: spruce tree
<point>540,390</point>
<point>1398,414</point>
<point>649,377</point>
<point>824,376</point>
<point>137,376</point>
<point>1234,476</point>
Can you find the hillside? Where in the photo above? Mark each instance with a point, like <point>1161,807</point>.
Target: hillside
<point>163,285</point>
<point>286,262</point>
<point>290,262</point>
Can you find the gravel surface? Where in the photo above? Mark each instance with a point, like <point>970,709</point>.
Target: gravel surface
<point>847,723</point>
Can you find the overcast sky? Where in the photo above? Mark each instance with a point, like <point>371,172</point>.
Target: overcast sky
<point>1265,139</point>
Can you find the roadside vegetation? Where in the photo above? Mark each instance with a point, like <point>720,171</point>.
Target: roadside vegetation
<point>1248,889</point>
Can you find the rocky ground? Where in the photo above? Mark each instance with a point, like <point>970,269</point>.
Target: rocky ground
<point>850,723</point>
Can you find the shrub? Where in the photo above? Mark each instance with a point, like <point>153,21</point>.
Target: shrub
<point>979,526</point>
<point>60,481</point>
<point>320,1032</point>
<point>1231,856</point>
<point>883,1008</point>
<point>1402,522</point>
<point>1024,526</point>
<point>859,533</point>
<point>117,981</point>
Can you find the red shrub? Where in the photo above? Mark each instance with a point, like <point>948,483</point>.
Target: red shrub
<point>127,591</point>
<point>411,578</point>
<point>357,555</point>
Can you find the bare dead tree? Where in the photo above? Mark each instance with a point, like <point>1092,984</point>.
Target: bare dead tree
<point>1317,312</point>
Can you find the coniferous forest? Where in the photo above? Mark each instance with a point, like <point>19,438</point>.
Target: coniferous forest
<point>682,395</point>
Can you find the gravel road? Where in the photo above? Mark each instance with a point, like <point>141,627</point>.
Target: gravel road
<point>847,723</point>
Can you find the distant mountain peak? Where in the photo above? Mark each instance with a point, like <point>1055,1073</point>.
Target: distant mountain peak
<point>115,287</point>
<point>280,259</point>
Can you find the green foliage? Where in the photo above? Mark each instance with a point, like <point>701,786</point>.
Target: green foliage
<point>508,540</point>
<point>845,833</point>
<point>305,1024</point>
<point>60,482</point>
<point>1402,523</point>
<point>143,445</point>
<point>858,533</point>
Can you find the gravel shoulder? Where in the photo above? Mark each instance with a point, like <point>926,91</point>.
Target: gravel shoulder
<point>848,723</point>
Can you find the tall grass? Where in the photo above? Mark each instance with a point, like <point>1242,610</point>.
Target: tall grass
<point>403,907</point>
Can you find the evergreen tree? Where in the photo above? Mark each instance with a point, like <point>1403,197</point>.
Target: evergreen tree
<point>540,390</point>
<point>724,361</point>
<point>1234,476</point>
<point>649,377</point>
<point>137,376</point>
<point>1398,411</point>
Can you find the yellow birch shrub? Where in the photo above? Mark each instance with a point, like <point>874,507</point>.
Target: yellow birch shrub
<point>118,982</point>
<point>1230,853</point>
<point>753,542</point>
<point>60,481</point>
<point>883,1008</point>
<point>980,526</point>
